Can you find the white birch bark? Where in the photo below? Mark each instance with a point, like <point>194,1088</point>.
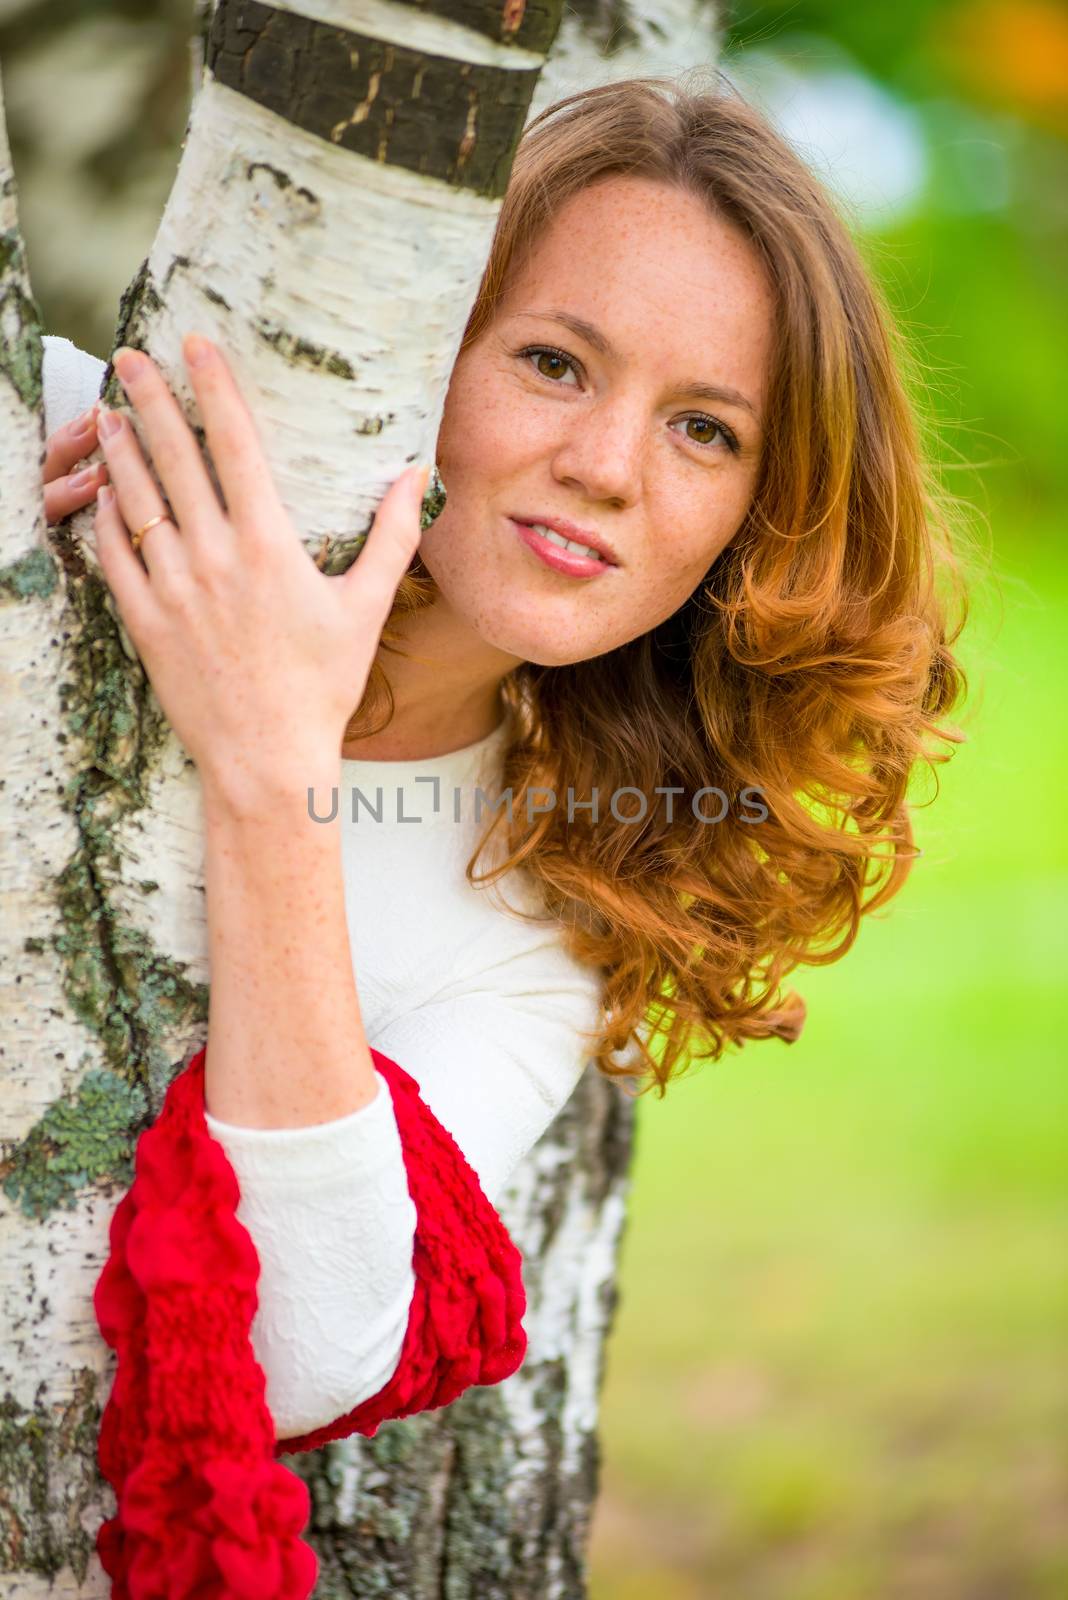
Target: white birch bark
<point>607,40</point>
<point>339,286</point>
<point>49,1337</point>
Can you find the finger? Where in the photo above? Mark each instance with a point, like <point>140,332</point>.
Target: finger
<point>392,541</point>
<point>139,500</point>
<point>244,473</point>
<point>67,495</point>
<point>172,445</point>
<point>69,444</point>
<point>126,577</point>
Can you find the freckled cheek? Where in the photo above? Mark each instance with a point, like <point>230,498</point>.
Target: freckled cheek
<point>720,518</point>
<point>681,555</point>
<point>491,424</point>
<point>476,440</point>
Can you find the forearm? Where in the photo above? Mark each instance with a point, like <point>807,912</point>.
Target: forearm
<point>286,1043</point>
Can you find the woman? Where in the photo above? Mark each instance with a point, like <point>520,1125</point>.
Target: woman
<point>677,363</point>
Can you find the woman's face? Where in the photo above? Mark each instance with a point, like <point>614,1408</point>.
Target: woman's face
<point>611,435</point>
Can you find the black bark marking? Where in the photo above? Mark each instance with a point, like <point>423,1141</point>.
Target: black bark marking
<point>530,26</point>
<point>284,181</point>
<point>452,120</point>
<point>21,351</point>
<point>304,352</point>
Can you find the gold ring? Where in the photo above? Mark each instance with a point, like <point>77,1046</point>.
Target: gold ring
<point>135,538</point>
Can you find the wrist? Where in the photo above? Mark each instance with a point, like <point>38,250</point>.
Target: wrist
<point>301,789</point>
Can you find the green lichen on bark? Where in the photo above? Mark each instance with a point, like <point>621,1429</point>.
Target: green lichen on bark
<point>21,351</point>
<point>49,1481</point>
<point>372,1518</point>
<point>337,555</point>
<point>433,500</point>
<point>418,1509</point>
<point>118,984</point>
<point>137,306</point>
<point>32,577</point>
<point>479,1553</point>
<point>87,1139</point>
<point>124,991</point>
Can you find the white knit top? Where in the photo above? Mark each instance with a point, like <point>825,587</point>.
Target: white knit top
<point>482,1008</point>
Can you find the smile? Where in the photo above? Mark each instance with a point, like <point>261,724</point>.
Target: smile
<point>563,555</point>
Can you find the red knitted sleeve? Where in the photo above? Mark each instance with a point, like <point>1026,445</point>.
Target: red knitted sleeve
<point>187,1441</point>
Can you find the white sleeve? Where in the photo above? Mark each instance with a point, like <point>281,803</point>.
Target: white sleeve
<point>495,1069</point>
<point>328,1208</point>
<point>70,379</point>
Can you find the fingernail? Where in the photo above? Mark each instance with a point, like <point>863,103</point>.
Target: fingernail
<point>83,423</point>
<point>420,478</point>
<point>108,424</point>
<point>198,351</point>
<point>82,480</point>
<point>105,496</point>
<point>129,364</point>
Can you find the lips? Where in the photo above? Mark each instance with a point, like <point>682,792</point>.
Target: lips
<point>571,563</point>
<point>571,530</point>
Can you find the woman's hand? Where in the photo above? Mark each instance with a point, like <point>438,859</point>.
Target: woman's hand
<point>66,491</point>
<point>258,659</point>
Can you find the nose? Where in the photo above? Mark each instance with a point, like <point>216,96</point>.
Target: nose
<point>600,454</point>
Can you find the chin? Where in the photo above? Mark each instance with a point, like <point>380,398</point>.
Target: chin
<point>531,646</point>
<point>548,658</point>
<point>541,652</point>
<point>532,640</point>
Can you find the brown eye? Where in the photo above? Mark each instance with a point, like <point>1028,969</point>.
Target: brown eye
<point>547,357</point>
<point>706,426</point>
<point>556,359</point>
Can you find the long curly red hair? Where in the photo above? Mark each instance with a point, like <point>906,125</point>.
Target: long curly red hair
<point>812,662</point>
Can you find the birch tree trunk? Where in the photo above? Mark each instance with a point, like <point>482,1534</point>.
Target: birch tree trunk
<point>329,222</point>
<point>602,41</point>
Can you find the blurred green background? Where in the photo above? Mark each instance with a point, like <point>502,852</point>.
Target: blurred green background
<point>840,1364</point>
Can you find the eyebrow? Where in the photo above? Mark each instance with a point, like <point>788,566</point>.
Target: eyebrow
<point>716,392</point>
